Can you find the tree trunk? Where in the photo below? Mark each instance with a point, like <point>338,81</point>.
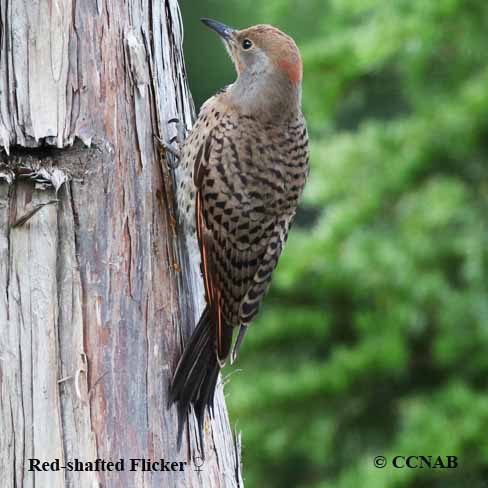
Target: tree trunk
<point>97,294</point>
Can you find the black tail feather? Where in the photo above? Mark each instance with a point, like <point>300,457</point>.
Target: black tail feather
<point>196,375</point>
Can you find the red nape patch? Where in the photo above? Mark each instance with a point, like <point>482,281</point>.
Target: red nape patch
<point>292,69</point>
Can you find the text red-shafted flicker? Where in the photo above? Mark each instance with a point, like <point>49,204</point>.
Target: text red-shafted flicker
<point>244,167</point>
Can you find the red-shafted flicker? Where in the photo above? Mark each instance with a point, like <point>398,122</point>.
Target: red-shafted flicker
<point>244,164</point>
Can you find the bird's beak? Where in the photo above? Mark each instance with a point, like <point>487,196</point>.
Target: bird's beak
<point>224,31</point>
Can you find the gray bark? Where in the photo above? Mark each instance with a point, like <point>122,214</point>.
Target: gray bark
<point>97,292</point>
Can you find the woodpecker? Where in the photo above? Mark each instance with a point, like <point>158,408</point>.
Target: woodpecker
<point>244,165</point>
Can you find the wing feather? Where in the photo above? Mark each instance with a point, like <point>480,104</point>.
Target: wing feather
<point>241,215</point>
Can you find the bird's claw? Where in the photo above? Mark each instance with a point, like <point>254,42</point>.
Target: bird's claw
<point>173,146</point>
<point>174,162</point>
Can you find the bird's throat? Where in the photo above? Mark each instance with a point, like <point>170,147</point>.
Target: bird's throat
<point>266,97</point>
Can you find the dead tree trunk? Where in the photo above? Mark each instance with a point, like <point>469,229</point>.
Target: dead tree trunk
<point>96,291</point>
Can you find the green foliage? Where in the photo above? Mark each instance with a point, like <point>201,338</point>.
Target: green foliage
<point>374,338</point>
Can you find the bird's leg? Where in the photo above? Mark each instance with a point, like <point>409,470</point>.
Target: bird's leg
<point>174,151</point>
<point>173,146</point>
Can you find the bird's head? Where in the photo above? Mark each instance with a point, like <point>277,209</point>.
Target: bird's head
<point>265,59</point>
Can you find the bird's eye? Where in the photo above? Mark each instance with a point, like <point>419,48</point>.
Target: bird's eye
<point>246,44</point>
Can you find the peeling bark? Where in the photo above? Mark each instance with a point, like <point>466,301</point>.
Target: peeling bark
<point>97,289</point>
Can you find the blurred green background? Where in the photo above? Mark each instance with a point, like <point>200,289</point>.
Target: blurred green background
<point>374,337</point>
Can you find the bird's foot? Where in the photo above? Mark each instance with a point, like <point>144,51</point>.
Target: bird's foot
<point>167,147</point>
<point>172,147</point>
